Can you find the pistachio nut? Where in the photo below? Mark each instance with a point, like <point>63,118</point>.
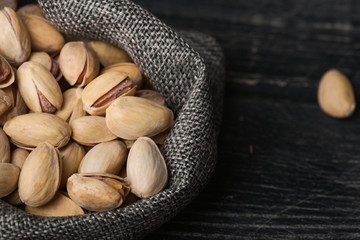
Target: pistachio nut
<point>18,106</point>
<point>30,130</point>
<point>8,3</point>
<point>161,137</point>
<point>5,102</point>
<point>72,106</point>
<point>18,157</point>
<point>106,157</point>
<point>90,130</point>
<point>78,64</point>
<point>59,206</point>
<point>40,175</point>
<point>146,168</point>
<point>33,9</point>
<point>108,54</point>
<point>336,95</point>
<point>44,36</point>
<point>48,62</point>
<point>104,89</point>
<point>130,69</point>
<point>4,147</point>
<point>15,43</point>
<point>131,117</point>
<point>13,198</point>
<point>152,95</point>
<point>7,75</point>
<point>71,156</point>
<point>97,191</point>
<point>38,87</point>
<point>9,175</point>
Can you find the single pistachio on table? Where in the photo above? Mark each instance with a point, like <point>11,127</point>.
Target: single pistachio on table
<point>48,62</point>
<point>59,206</point>
<point>71,156</point>
<point>130,69</point>
<point>33,9</point>
<point>72,105</point>
<point>30,130</point>
<point>18,157</point>
<point>106,157</point>
<point>90,130</point>
<point>151,95</point>
<point>97,191</point>
<point>18,106</point>
<point>103,90</point>
<point>4,147</point>
<point>15,43</point>
<point>8,3</point>
<point>40,175</point>
<point>336,95</point>
<point>78,63</point>
<point>38,87</point>
<point>9,174</point>
<point>146,168</point>
<point>7,75</point>
<point>131,117</point>
<point>108,54</point>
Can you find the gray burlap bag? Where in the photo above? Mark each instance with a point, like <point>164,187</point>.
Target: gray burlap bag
<point>187,68</point>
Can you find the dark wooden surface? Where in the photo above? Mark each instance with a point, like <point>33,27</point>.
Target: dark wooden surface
<point>285,170</point>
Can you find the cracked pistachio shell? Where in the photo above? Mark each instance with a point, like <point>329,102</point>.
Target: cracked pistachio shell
<point>8,3</point>
<point>336,95</point>
<point>78,63</point>
<point>38,87</point>
<point>40,175</point>
<point>59,206</point>
<point>15,43</point>
<point>71,156</point>
<point>7,75</point>
<point>18,106</point>
<point>108,54</point>
<point>106,157</point>
<point>4,147</point>
<point>146,169</point>
<point>130,69</point>
<point>9,175</point>
<point>90,130</point>
<point>44,36</point>
<point>103,90</point>
<point>132,117</point>
<point>48,62</point>
<point>151,95</point>
<point>5,102</point>
<point>30,130</point>
<point>72,106</point>
<point>97,191</point>
<point>18,157</point>
<point>33,9</point>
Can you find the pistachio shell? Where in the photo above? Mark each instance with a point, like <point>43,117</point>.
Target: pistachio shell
<point>107,157</point>
<point>108,54</point>
<point>59,206</point>
<point>15,43</point>
<point>132,117</point>
<point>90,130</point>
<point>146,169</point>
<point>30,130</point>
<point>130,69</point>
<point>33,9</point>
<point>71,156</point>
<point>5,102</point>
<point>8,3</point>
<point>72,106</point>
<point>38,87</point>
<point>9,174</point>
<point>18,106</point>
<point>103,90</point>
<point>7,75</point>
<point>40,176</point>
<point>18,157</point>
<point>4,147</point>
<point>78,64</point>
<point>48,62</point>
<point>151,95</point>
<point>13,198</point>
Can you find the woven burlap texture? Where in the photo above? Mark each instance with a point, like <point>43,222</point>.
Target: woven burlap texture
<point>188,71</point>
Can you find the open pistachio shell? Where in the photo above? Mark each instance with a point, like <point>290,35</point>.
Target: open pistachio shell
<point>130,69</point>
<point>72,106</point>
<point>7,75</point>
<point>48,62</point>
<point>9,175</point>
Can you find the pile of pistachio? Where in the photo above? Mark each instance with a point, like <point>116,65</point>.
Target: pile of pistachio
<point>78,134</point>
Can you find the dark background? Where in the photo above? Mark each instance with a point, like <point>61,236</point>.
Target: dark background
<point>285,170</point>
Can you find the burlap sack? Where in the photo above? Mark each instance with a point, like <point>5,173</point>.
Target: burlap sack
<point>187,68</point>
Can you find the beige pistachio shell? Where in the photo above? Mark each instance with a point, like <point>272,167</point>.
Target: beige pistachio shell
<point>78,64</point>
<point>146,169</point>
<point>59,206</point>
<point>48,62</point>
<point>18,157</point>
<point>8,3</point>
<point>129,143</point>
<point>161,137</point>
<point>40,175</point>
<point>4,147</point>
<point>9,174</point>
<point>30,130</point>
<point>5,102</point>
<point>336,95</point>
<point>15,43</point>
<point>97,192</point>
<point>151,95</point>
<point>130,69</point>
<point>33,9</point>
<point>44,36</point>
<point>7,75</point>
<point>71,156</point>
<point>90,130</point>
<point>103,90</point>
<point>72,106</point>
<point>108,54</point>
<point>132,117</point>
<point>13,198</point>
<point>38,87</point>
<point>106,157</point>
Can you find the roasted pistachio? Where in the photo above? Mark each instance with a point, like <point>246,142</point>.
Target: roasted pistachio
<point>18,106</point>
<point>33,9</point>
<point>13,198</point>
<point>5,102</point>
<point>7,75</point>
<point>48,62</point>
<point>151,95</point>
<point>130,69</point>
<point>9,174</point>
<point>4,147</point>
<point>18,157</point>
<point>72,106</point>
